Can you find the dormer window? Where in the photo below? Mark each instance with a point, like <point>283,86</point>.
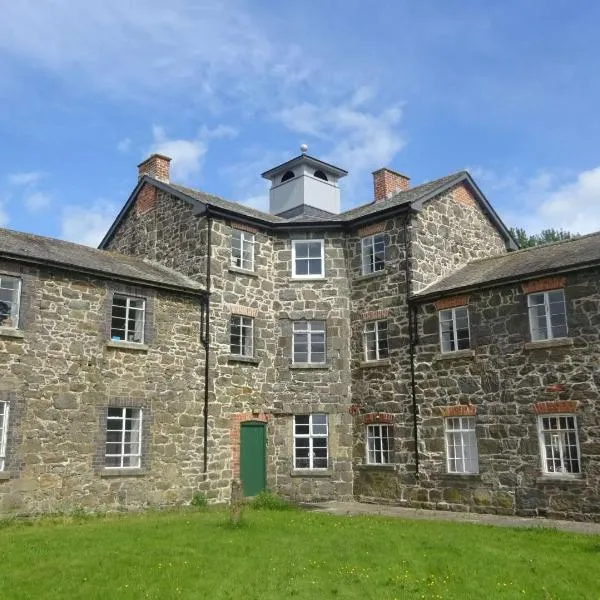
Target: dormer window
<point>321,175</point>
<point>287,176</point>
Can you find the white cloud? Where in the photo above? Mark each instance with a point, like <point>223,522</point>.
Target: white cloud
<point>124,145</point>
<point>36,202</point>
<point>87,225</point>
<point>155,47</point>
<point>574,205</point>
<point>28,178</point>
<point>546,200</point>
<point>360,139</point>
<point>187,154</point>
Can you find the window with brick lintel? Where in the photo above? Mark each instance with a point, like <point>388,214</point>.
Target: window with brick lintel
<point>559,444</point>
<point>547,315</point>
<point>454,329</point>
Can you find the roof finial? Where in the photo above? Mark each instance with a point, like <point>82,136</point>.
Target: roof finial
<point>304,148</point>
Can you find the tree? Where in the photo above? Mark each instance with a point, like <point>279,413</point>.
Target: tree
<point>546,236</point>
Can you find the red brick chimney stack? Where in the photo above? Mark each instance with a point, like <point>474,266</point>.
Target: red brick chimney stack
<point>387,182</point>
<point>157,166</point>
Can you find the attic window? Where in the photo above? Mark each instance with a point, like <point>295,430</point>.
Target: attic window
<point>321,175</point>
<point>287,175</point>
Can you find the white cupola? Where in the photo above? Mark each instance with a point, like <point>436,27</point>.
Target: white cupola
<point>304,182</point>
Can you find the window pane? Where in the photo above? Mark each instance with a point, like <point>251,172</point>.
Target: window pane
<point>302,267</point>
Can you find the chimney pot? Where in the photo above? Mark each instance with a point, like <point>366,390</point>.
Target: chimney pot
<point>387,182</point>
<point>156,166</point>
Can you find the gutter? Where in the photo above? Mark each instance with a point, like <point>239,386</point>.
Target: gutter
<point>205,332</point>
<point>412,341</point>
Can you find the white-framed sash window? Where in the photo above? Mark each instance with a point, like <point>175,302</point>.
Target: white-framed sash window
<point>241,341</point>
<point>309,342</point>
<point>375,336</point>
<point>123,438</point>
<point>10,300</point>
<point>461,445</point>
<point>559,444</point>
<point>311,441</point>
<point>454,329</point>
<point>547,315</point>
<point>308,259</point>
<point>127,319</point>
<point>373,253</point>
<point>379,444</point>
<point>242,250</point>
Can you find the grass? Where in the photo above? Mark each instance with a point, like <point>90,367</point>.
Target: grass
<point>289,554</point>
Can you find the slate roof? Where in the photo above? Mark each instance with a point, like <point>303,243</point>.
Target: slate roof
<point>413,198</point>
<point>76,257</point>
<point>418,193</point>
<point>567,255</point>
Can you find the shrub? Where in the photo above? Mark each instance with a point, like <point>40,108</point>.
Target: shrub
<point>268,500</point>
<point>199,500</point>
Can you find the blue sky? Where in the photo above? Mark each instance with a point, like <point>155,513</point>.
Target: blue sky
<point>509,90</point>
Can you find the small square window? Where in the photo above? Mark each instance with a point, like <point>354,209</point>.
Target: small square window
<point>308,259</point>
<point>373,253</point>
<point>454,329</point>
<point>127,319</point>
<point>241,336</point>
<point>242,250</point>
<point>379,444</point>
<point>547,315</point>
<point>376,340</point>
<point>309,342</point>
<point>3,433</point>
<point>10,298</point>
<point>310,441</point>
<point>559,445</point>
<point>461,445</point>
<point>123,438</point>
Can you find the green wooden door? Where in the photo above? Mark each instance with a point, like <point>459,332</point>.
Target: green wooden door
<point>253,457</point>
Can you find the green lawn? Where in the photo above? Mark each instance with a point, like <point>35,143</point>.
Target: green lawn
<point>290,554</point>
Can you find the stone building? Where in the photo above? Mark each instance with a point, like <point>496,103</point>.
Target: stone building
<point>403,351</point>
<point>102,389</point>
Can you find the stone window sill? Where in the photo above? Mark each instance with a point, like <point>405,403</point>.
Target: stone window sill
<point>468,353</point>
<point>123,472</point>
<point>123,345</point>
<point>367,276</point>
<point>241,271</point>
<point>302,366</point>
<point>367,364</point>
<point>376,467</point>
<point>10,332</point>
<point>4,475</point>
<point>574,480</point>
<point>554,343</point>
<point>249,360</point>
<point>311,473</point>
<point>459,477</point>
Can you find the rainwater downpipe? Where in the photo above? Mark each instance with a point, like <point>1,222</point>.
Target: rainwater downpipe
<point>206,334</point>
<point>411,343</point>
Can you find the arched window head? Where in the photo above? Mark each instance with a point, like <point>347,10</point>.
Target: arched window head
<point>287,175</point>
<point>321,175</point>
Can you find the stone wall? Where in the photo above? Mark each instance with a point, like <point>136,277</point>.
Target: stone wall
<point>381,385</point>
<point>61,372</point>
<point>450,231</point>
<point>267,384</point>
<point>506,381</point>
